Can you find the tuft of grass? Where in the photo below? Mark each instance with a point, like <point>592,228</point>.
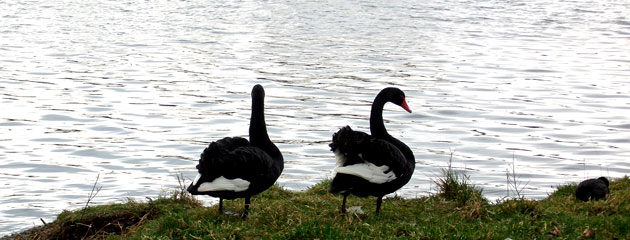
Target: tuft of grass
<point>519,206</point>
<point>456,186</point>
<point>314,213</point>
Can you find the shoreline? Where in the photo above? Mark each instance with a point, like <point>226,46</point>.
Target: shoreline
<point>314,213</point>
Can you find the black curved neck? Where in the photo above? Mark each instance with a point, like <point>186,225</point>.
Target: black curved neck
<point>377,127</point>
<point>258,128</point>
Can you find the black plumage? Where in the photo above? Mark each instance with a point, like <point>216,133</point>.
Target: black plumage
<point>592,189</point>
<point>253,166</point>
<point>372,165</point>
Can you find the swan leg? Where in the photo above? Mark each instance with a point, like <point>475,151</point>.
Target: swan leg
<point>379,200</point>
<point>343,204</point>
<point>220,205</point>
<point>246,212</point>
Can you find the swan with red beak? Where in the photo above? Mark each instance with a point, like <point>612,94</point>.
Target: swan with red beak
<point>372,165</point>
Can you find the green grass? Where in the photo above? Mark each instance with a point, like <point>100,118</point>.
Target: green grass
<point>456,187</point>
<point>314,214</point>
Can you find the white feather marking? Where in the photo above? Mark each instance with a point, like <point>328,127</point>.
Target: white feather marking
<point>341,159</point>
<point>369,172</point>
<point>224,184</point>
<point>196,179</point>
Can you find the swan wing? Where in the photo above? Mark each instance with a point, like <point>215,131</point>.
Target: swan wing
<point>231,164</point>
<point>362,155</point>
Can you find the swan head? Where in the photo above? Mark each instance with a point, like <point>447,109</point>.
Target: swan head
<point>395,96</point>
<point>258,91</point>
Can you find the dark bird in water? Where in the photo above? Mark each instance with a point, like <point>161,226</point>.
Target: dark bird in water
<point>372,165</point>
<point>592,189</point>
<point>234,167</point>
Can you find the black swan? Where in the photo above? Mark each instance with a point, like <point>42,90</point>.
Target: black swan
<point>594,189</point>
<point>376,164</point>
<point>236,168</point>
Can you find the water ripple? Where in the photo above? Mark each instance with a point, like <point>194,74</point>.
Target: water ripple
<point>136,91</point>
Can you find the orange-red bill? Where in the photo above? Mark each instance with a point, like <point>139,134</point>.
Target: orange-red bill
<point>405,106</point>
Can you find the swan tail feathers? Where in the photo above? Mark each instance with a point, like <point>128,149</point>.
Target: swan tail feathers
<point>347,141</point>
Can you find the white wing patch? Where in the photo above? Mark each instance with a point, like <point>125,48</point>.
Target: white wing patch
<point>369,172</point>
<point>222,184</point>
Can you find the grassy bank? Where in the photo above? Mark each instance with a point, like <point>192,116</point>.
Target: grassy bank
<point>458,211</point>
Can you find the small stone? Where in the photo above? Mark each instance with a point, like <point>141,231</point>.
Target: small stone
<point>355,210</point>
<point>588,233</point>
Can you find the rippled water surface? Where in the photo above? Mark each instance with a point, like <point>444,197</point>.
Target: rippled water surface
<point>134,90</point>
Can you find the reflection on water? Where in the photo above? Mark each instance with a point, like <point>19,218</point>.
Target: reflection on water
<point>134,91</point>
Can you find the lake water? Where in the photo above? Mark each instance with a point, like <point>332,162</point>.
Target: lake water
<point>134,90</point>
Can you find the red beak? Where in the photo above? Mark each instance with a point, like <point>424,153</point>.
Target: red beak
<point>405,106</point>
